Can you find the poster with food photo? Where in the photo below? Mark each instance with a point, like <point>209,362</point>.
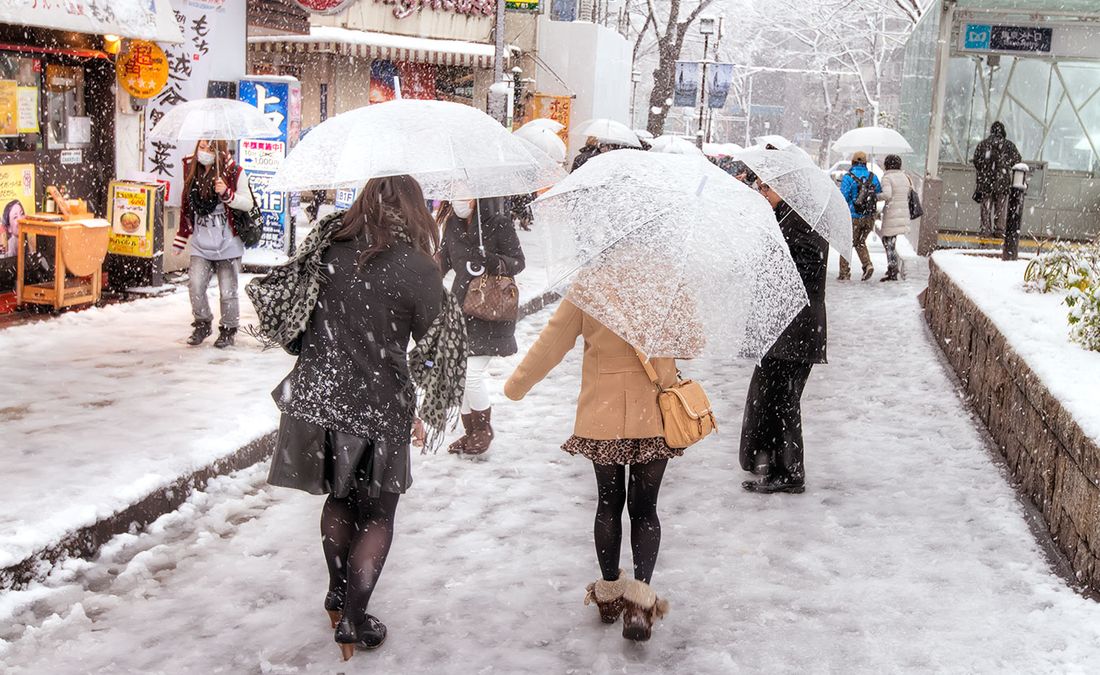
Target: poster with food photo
<point>130,212</point>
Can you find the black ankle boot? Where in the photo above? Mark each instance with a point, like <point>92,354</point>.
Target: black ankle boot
<point>201,332</point>
<point>334,606</point>
<point>225,337</point>
<point>772,484</point>
<point>368,635</point>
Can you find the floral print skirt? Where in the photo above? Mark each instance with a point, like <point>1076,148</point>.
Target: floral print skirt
<point>621,450</point>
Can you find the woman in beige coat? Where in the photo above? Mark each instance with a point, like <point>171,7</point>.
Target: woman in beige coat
<point>895,214</point>
<point>618,424</point>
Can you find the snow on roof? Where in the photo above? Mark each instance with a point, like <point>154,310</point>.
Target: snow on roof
<point>361,37</point>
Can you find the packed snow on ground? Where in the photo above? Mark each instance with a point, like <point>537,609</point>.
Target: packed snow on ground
<point>1036,326</point>
<point>908,553</point>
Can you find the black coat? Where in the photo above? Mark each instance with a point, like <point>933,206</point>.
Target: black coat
<point>993,161</point>
<point>805,338</point>
<point>352,374</point>
<point>583,155</point>
<point>503,255</point>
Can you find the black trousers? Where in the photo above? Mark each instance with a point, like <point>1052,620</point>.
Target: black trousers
<point>771,432</point>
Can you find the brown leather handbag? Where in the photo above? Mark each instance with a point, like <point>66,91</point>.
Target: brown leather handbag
<point>685,409</point>
<point>491,297</point>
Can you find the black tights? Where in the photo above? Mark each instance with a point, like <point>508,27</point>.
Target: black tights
<point>356,533</point>
<point>640,498</point>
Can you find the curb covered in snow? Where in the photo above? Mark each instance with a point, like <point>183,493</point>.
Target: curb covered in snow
<point>86,541</point>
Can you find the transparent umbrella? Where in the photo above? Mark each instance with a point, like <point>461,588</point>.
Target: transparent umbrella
<point>545,123</point>
<point>670,253</point>
<point>609,131</point>
<point>808,190</point>
<point>213,119</point>
<point>776,140</point>
<point>873,140</point>
<point>545,140</point>
<point>674,145</point>
<point>453,150</point>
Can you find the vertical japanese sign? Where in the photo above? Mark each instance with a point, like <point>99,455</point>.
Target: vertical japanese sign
<point>685,92</point>
<point>557,108</point>
<point>213,48</point>
<point>280,100</point>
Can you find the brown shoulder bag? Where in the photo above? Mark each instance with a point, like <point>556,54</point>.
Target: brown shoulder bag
<point>685,409</point>
<point>491,297</point>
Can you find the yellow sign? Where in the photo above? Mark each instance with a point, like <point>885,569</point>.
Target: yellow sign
<point>27,119</point>
<point>9,108</point>
<point>130,212</point>
<point>142,69</point>
<point>16,201</point>
<point>557,108</point>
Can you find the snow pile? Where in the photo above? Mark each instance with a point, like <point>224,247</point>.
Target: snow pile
<point>908,553</point>
<point>1035,325</point>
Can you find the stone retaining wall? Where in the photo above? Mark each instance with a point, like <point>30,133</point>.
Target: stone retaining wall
<point>1057,465</point>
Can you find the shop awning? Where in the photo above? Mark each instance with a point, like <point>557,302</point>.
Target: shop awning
<point>139,19</point>
<point>369,45</point>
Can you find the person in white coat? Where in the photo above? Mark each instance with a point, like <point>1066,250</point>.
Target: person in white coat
<point>895,214</point>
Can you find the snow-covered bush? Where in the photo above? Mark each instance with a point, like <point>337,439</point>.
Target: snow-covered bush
<point>1077,270</point>
<point>1084,316</point>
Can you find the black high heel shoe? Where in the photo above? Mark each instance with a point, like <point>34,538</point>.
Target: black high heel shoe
<point>334,605</point>
<point>368,635</point>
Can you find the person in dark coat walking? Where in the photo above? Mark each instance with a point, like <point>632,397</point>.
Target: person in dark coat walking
<point>477,240</point>
<point>771,432</point>
<point>993,161</point>
<point>348,406</point>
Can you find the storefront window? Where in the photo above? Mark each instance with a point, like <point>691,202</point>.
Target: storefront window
<point>20,79</point>
<point>68,124</point>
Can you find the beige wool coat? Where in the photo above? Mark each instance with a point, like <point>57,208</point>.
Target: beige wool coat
<point>895,214</point>
<point>617,398</point>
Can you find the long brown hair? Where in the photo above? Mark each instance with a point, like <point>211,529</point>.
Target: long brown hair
<point>367,217</point>
<point>221,160</point>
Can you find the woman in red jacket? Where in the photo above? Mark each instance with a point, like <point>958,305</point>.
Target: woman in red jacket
<point>212,189</point>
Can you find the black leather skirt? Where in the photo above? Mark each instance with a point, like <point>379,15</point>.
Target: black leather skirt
<point>321,461</point>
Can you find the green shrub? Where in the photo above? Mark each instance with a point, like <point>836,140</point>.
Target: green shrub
<point>1075,269</point>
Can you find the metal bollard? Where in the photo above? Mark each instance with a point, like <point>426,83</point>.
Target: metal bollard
<point>1020,174</point>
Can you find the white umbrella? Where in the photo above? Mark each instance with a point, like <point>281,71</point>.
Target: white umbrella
<point>806,189</point>
<point>453,150</point>
<point>643,134</point>
<point>674,145</point>
<point>874,141</point>
<point>721,149</point>
<point>672,254</point>
<point>609,131</point>
<point>773,139</point>
<point>545,140</point>
<point>544,123</point>
<point>213,119</point>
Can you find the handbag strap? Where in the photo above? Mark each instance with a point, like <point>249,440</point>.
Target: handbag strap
<point>649,370</point>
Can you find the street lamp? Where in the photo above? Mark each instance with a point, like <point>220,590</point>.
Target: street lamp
<point>707,25</point>
<point>635,78</point>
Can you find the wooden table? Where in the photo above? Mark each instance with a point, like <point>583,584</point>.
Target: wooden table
<point>79,249</point>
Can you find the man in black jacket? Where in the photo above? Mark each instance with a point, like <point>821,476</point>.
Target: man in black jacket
<point>993,161</point>
<point>771,432</point>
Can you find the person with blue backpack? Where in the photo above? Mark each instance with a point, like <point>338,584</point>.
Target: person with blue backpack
<point>861,189</point>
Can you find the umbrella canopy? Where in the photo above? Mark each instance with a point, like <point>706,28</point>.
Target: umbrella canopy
<point>721,149</point>
<point>773,139</point>
<point>213,119</point>
<point>873,140</point>
<point>609,131</point>
<point>544,123</point>
<point>643,134</point>
<point>674,145</point>
<point>453,150</point>
<point>546,140</point>
<point>672,254</point>
<point>808,190</point>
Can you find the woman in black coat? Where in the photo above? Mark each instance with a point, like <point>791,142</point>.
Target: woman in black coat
<point>771,432</point>
<point>477,241</point>
<point>348,406</point>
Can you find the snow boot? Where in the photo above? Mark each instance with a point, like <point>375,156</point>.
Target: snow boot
<point>641,609</point>
<point>225,337</point>
<point>459,446</point>
<point>477,443</point>
<point>772,484</point>
<point>201,332</point>
<point>368,635</point>
<point>868,272</point>
<point>608,596</point>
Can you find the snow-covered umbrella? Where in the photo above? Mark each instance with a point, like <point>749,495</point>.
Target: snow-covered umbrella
<point>775,140</point>
<point>874,141</point>
<point>453,150</point>
<point>213,119</point>
<point>721,149</point>
<point>643,134</point>
<point>806,189</point>
<point>671,253</point>
<point>608,131</point>
<point>674,145</point>
<point>544,123</point>
<point>545,140</point>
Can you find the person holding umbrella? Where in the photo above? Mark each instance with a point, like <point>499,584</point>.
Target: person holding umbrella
<point>213,189</point>
<point>476,243</point>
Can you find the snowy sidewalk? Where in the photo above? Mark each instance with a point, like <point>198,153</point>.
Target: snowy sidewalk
<point>908,553</point>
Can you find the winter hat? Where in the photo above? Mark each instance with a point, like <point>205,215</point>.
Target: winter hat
<point>859,157</point>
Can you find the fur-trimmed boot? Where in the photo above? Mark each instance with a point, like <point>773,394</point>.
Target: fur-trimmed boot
<point>481,434</point>
<point>641,608</point>
<point>608,596</point>
<point>459,446</point>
